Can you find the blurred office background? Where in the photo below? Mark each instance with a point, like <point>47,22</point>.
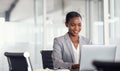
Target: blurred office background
<point>31,25</point>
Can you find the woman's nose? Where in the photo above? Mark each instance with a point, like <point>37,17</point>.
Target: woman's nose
<point>77,27</point>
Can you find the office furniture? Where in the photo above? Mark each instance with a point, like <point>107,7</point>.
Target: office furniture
<point>47,59</point>
<point>18,61</point>
<point>106,66</point>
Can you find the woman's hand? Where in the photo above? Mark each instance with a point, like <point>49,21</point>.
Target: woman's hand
<point>75,66</point>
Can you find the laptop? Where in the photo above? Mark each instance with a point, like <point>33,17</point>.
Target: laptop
<point>89,53</point>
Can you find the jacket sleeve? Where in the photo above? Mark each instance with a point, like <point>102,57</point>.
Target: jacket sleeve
<point>58,62</point>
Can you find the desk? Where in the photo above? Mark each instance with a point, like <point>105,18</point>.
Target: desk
<point>51,70</point>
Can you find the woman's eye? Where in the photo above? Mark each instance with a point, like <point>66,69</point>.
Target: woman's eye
<point>72,24</point>
<point>79,24</point>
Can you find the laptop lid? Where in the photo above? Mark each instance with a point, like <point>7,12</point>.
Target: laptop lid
<point>89,53</point>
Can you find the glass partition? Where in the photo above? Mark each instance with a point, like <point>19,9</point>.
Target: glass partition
<point>114,25</point>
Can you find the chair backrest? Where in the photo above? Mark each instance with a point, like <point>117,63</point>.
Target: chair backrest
<point>106,66</point>
<point>18,61</point>
<point>47,59</point>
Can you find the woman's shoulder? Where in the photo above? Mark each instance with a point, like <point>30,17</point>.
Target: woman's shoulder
<point>60,37</point>
<point>85,39</point>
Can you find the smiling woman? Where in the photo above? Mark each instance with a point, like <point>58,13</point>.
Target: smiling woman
<point>66,48</point>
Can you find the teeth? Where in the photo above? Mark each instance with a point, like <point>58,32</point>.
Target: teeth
<point>76,31</point>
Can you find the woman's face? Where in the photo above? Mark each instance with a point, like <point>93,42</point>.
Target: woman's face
<point>74,25</point>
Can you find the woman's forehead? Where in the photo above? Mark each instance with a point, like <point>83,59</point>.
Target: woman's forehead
<point>75,19</point>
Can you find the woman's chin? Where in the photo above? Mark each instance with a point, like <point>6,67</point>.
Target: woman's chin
<point>75,34</point>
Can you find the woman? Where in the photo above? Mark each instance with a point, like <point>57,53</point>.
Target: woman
<point>66,48</point>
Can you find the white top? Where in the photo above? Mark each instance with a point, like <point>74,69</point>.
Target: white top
<point>76,53</point>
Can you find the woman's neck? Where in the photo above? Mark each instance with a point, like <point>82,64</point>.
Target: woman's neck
<point>74,38</point>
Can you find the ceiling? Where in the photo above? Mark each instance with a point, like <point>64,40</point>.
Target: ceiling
<point>5,5</point>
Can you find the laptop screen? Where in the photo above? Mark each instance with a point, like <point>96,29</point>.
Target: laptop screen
<point>89,53</point>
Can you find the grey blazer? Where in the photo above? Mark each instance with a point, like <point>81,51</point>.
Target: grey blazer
<point>62,55</point>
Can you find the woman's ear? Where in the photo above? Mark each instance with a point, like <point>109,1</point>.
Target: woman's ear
<point>66,24</point>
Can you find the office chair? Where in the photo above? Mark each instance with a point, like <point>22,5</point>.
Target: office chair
<point>47,59</point>
<point>18,61</point>
<point>106,66</point>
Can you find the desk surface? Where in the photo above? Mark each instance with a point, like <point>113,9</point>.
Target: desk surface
<point>51,70</point>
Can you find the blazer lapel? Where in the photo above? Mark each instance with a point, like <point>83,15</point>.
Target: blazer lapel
<point>69,46</point>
